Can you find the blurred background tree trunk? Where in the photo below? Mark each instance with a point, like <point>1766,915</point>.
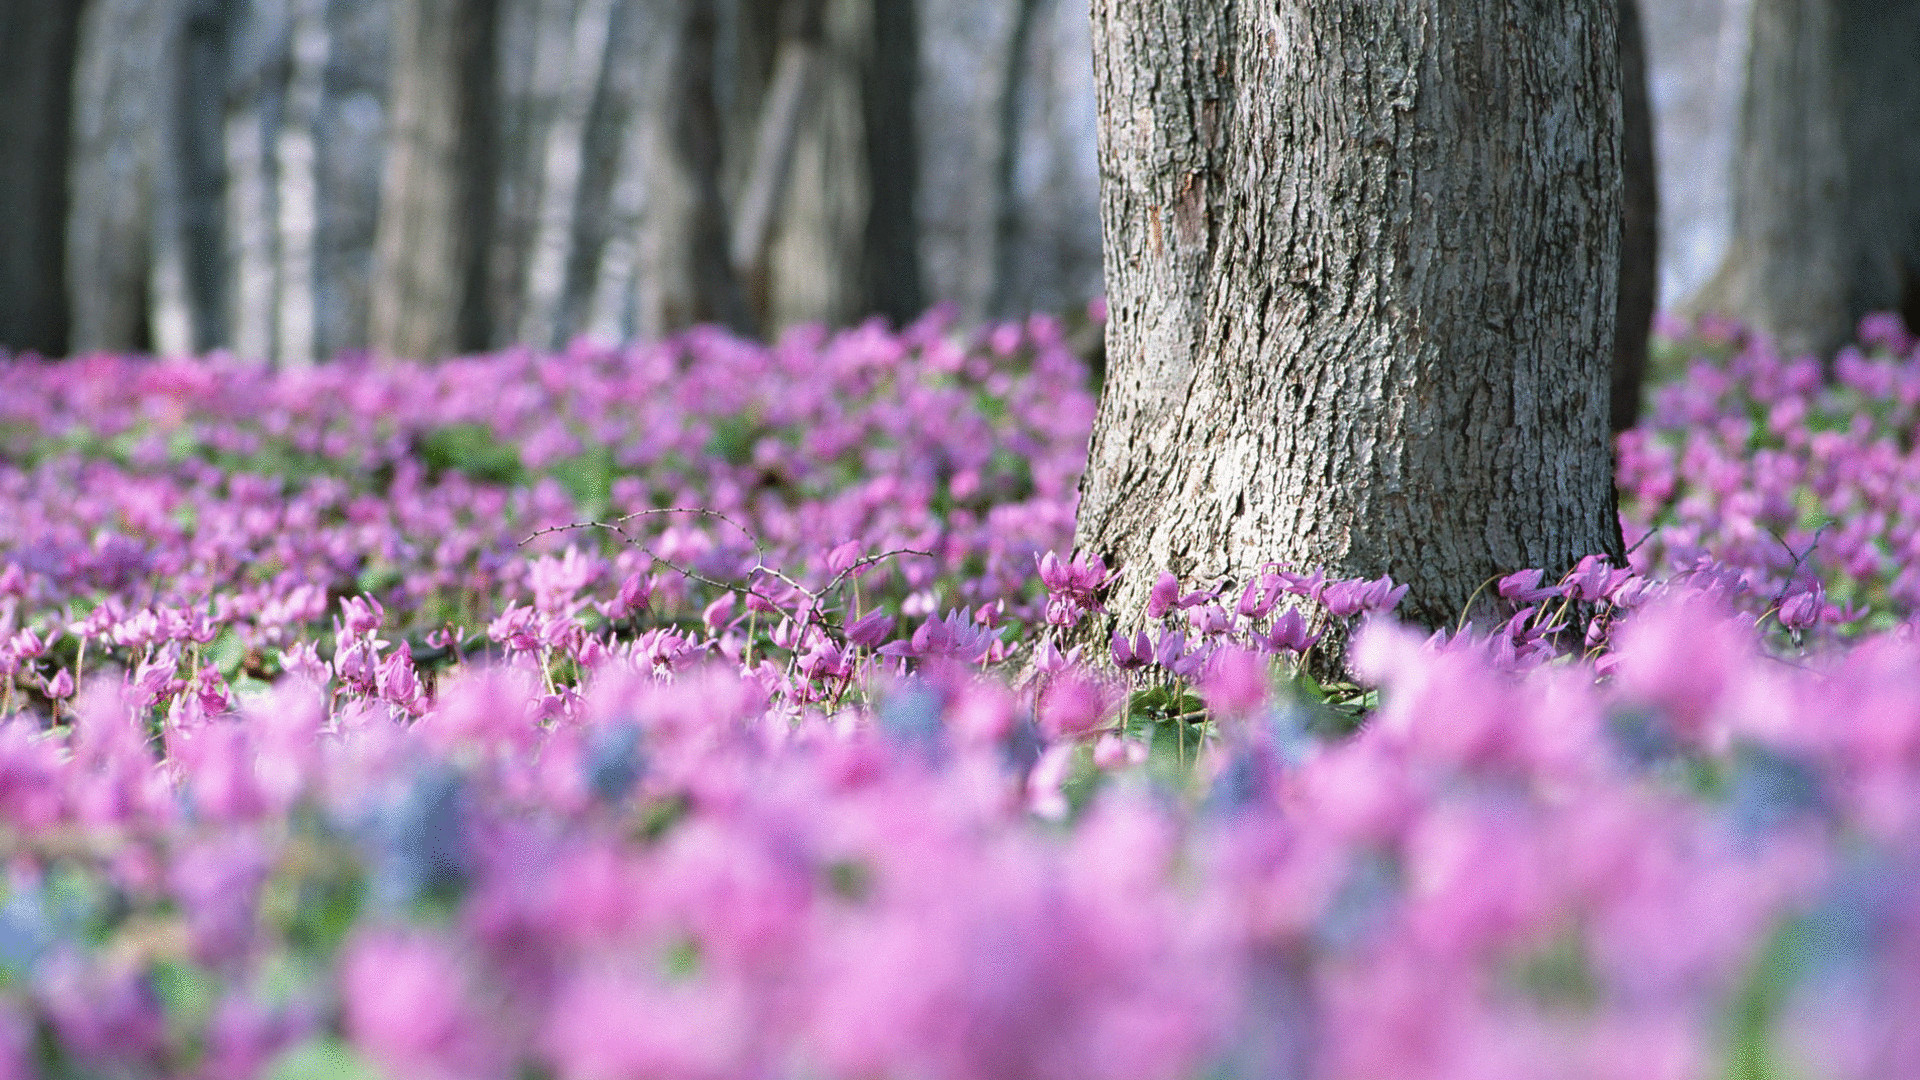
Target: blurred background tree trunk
<point>1825,222</point>
<point>265,176</point>
<point>436,196</point>
<point>120,110</point>
<point>294,179</point>
<point>37,40</point>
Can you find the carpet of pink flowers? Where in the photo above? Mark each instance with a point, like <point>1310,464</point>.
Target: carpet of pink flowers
<point>705,710</point>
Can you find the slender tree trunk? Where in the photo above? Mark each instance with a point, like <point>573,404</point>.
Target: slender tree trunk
<point>698,137</point>
<point>892,259</point>
<point>791,97</point>
<point>296,163</point>
<point>814,250</point>
<point>1362,262</point>
<point>250,236</point>
<point>967,64</point>
<point>1826,214</point>
<point>1049,246</point>
<point>632,277</point>
<point>1880,62</point>
<point>37,41</point>
<point>122,94</point>
<point>1639,235</point>
<point>432,212</point>
<point>562,162</point>
<point>199,173</point>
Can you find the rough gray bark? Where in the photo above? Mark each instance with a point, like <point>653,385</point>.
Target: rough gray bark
<point>37,41</point>
<point>1361,267</point>
<point>432,204</point>
<point>1639,235</point>
<point>1826,216</point>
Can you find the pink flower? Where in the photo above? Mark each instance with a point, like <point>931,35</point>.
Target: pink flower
<point>1524,587</point>
<point>871,630</point>
<point>1131,653</point>
<point>1163,595</point>
<point>1235,683</point>
<point>1288,634</point>
<point>408,1004</point>
<point>614,1026</point>
<point>361,615</point>
<point>843,556</point>
<point>1072,705</point>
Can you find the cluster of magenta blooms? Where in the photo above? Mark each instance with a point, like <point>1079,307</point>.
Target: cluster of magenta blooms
<point>334,745</point>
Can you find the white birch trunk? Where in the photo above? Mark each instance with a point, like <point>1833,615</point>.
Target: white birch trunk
<point>626,294</point>
<point>254,269</point>
<point>296,158</point>
<point>562,161</point>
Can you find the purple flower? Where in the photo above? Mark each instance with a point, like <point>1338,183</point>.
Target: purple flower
<point>360,615</point>
<point>953,637</point>
<point>1132,653</point>
<point>1235,682</point>
<point>1163,595</point>
<point>1803,609</point>
<point>1288,633</point>
<point>1347,598</point>
<point>1255,600</point>
<point>1524,587</point>
<point>1592,580</point>
<point>1073,705</point>
<point>718,613</point>
<point>407,1004</point>
<point>843,556</point>
<point>870,630</point>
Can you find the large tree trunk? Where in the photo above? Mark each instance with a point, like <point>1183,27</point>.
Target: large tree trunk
<point>1361,265</point>
<point>1639,235</point>
<point>1826,216</point>
<point>434,202</point>
<point>36,75</point>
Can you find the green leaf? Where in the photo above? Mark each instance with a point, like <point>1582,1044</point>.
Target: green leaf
<point>189,994</point>
<point>227,652</point>
<point>733,439</point>
<point>588,477</point>
<point>378,577</point>
<point>322,1058</point>
<point>1750,1050</point>
<point>471,449</point>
